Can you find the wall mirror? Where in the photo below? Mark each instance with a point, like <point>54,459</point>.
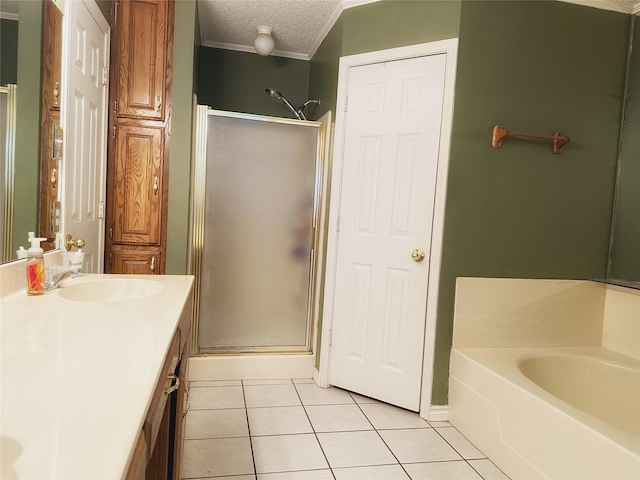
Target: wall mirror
<point>21,58</point>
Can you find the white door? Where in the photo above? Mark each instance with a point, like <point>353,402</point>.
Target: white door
<point>86,54</point>
<point>390,161</point>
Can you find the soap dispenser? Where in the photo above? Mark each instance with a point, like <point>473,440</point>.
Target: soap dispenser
<point>35,267</point>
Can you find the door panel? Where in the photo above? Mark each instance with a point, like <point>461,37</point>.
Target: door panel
<point>390,157</point>
<point>143,64</point>
<point>138,185</point>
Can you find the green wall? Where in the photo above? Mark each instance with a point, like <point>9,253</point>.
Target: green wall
<point>25,215</point>
<point>521,211</point>
<point>235,81</point>
<point>183,89</point>
<point>395,23</point>
<point>8,51</point>
<point>625,252</point>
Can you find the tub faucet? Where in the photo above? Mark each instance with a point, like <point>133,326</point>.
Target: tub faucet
<point>59,277</point>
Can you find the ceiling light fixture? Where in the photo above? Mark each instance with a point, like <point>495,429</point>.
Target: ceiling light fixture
<point>264,41</point>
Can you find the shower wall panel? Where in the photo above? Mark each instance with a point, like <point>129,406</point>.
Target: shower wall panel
<point>258,237</point>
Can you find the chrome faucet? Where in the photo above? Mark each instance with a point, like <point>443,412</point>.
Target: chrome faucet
<point>58,278</point>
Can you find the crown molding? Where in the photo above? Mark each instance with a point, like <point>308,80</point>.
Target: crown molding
<point>613,5</point>
<point>355,3</point>
<point>244,48</point>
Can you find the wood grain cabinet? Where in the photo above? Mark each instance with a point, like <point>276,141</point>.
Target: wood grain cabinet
<point>139,127</point>
<point>157,454</point>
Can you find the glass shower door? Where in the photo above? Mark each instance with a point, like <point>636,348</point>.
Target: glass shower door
<point>257,255</point>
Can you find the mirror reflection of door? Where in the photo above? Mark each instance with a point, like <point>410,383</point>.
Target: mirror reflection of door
<point>84,120</point>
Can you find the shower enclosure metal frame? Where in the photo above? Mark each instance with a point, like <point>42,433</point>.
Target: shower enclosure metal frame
<point>197,229</point>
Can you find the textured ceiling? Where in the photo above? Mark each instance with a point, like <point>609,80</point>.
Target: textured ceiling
<point>299,26</point>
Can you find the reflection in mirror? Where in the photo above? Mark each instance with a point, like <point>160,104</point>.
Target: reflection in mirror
<point>7,160</point>
<point>8,101</point>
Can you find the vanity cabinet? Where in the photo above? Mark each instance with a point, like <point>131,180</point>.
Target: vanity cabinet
<point>139,128</point>
<point>158,450</point>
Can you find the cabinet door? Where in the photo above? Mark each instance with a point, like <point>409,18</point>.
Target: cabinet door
<point>136,262</point>
<point>138,192</point>
<point>142,27</point>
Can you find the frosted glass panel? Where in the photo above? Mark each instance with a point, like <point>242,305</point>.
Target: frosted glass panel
<point>258,233</point>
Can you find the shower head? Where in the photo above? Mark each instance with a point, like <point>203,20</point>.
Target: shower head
<point>273,93</point>
<point>298,112</point>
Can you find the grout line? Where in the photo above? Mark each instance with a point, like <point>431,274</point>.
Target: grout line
<point>246,416</point>
<point>304,407</point>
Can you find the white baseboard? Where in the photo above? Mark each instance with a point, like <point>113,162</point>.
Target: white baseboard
<point>250,367</point>
<point>438,413</point>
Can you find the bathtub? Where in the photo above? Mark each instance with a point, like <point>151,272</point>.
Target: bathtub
<point>550,412</point>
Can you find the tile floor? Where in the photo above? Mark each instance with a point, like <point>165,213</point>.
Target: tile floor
<point>293,430</point>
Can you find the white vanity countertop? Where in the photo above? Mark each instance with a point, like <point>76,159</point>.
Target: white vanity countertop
<point>77,378</point>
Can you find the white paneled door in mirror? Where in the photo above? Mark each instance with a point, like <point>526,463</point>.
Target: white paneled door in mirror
<point>86,54</point>
<point>390,162</point>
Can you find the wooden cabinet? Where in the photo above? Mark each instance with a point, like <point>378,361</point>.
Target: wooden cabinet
<point>137,193</point>
<point>157,454</point>
<point>135,261</point>
<point>142,36</point>
<point>50,114</point>
<point>139,126</point>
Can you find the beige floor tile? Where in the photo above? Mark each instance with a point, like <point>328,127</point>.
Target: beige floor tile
<point>215,383</point>
<point>384,416</point>
<point>287,453</point>
<point>418,445</point>
<point>461,445</point>
<point>276,381</point>
<point>337,418</point>
<point>362,399</point>
<point>304,380</point>
<point>271,396</point>
<point>324,474</point>
<point>216,423</point>
<point>355,449</point>
<point>380,472</point>
<point>216,397</point>
<point>216,457</point>
<point>488,470</point>
<point>278,421</point>
<point>311,394</point>
<point>459,470</point>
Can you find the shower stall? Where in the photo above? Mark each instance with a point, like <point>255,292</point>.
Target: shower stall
<point>256,202</point>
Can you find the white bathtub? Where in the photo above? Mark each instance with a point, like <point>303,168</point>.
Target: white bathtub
<point>557,412</point>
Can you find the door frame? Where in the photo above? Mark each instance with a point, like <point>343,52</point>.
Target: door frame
<point>449,48</point>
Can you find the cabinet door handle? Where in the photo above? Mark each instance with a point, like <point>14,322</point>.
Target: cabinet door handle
<point>158,103</point>
<point>155,186</point>
<point>152,267</point>
<point>173,387</point>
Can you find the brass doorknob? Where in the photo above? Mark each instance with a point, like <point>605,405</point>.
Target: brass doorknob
<point>417,255</point>
<point>78,242</point>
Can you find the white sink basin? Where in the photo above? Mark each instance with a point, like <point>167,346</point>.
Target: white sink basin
<point>115,290</point>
